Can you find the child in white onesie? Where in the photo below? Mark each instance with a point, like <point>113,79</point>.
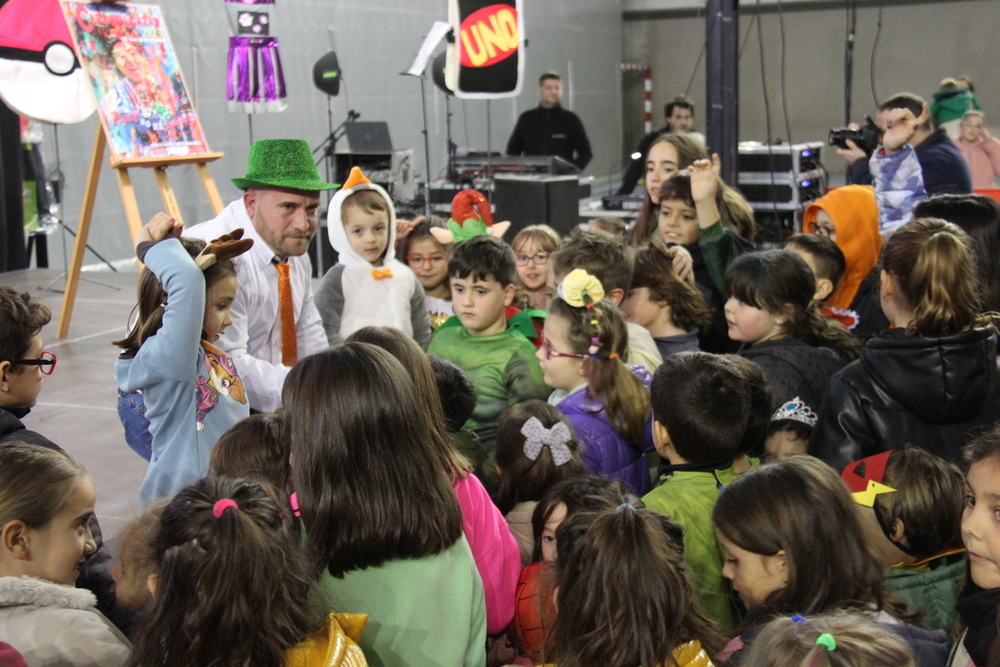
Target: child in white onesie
<point>368,286</point>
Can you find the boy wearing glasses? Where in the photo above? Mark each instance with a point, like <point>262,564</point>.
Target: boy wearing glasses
<point>22,365</point>
<point>494,352</point>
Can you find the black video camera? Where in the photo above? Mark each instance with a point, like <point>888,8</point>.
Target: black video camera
<point>867,138</point>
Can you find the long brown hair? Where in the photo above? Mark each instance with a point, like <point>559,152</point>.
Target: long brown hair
<point>625,397</point>
<point>416,363</point>
<point>370,483</point>
<point>780,282</point>
<point>521,478</point>
<point>800,506</point>
<point>932,263</point>
<point>654,270</point>
<point>624,599</point>
<point>153,298</point>
<point>231,590</point>
<point>689,150</point>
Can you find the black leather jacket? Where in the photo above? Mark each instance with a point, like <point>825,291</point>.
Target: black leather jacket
<point>933,393</point>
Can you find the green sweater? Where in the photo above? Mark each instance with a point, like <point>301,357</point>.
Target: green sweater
<point>428,611</point>
<point>502,368</point>
<point>688,497</point>
<point>933,588</point>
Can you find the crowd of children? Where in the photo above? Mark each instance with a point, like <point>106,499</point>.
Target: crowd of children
<point>655,448</point>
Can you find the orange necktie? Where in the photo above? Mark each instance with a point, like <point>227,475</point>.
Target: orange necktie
<point>289,344</point>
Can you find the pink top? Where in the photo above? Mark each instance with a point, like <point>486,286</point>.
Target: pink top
<point>494,550</point>
<point>983,158</point>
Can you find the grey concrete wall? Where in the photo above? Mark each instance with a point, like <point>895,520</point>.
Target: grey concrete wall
<point>375,40</point>
<point>920,43</point>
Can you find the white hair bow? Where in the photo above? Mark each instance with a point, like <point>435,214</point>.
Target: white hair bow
<point>537,436</point>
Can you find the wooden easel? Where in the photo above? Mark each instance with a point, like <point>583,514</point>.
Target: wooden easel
<point>121,166</point>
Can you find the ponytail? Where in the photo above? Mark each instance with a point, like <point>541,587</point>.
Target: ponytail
<point>598,331</point>
<point>933,267</point>
<point>233,585</point>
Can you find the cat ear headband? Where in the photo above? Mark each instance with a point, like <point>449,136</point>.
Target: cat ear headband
<point>537,436</point>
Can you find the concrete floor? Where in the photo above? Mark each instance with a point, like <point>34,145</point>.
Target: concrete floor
<point>77,405</point>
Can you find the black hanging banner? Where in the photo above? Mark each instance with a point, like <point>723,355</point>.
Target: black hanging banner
<point>486,60</point>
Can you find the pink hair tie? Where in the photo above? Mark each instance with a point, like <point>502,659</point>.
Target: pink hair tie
<point>222,505</point>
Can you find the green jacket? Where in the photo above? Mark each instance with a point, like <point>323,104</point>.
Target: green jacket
<point>719,246</point>
<point>934,589</point>
<point>502,368</point>
<point>688,497</point>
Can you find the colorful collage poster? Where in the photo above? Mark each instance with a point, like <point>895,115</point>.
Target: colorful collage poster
<point>143,103</point>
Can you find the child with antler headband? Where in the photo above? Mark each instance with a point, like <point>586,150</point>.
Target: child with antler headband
<point>585,338</point>
<point>185,295</point>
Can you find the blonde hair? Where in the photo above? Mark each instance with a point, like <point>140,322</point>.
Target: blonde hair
<point>860,642</point>
<point>544,237</point>
<point>932,264</point>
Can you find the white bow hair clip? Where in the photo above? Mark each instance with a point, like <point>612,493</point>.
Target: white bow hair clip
<point>537,436</point>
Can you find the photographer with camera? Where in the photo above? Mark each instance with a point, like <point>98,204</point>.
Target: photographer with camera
<point>913,162</point>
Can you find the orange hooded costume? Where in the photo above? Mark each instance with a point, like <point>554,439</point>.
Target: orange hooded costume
<point>855,217</point>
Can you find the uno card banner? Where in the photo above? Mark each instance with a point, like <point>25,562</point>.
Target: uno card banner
<point>133,71</point>
<point>486,60</point>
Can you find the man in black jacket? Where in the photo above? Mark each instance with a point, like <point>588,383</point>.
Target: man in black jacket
<point>549,129</point>
<point>21,370</point>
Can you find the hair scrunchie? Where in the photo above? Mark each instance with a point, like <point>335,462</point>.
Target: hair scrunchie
<point>221,505</point>
<point>579,284</point>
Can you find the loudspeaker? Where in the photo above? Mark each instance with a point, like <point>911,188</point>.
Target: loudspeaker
<point>326,74</point>
<point>533,200</point>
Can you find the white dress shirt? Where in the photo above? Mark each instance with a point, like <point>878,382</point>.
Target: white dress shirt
<point>254,338</point>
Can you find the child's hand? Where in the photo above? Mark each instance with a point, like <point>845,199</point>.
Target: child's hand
<point>682,262</point>
<point>705,179</point>
<point>404,227</point>
<point>160,227</point>
<point>900,128</point>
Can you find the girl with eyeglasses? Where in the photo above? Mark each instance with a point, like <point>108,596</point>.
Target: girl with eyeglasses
<point>428,258</point>
<point>605,400</point>
<point>533,246</point>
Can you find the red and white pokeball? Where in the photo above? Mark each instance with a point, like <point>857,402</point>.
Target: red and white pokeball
<point>40,76</point>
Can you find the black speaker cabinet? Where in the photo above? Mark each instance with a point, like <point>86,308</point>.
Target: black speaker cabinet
<point>534,200</point>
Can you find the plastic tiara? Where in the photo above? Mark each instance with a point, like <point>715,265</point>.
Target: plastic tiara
<point>796,410</point>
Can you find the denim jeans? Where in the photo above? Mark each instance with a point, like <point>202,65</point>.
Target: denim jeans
<point>132,413</point>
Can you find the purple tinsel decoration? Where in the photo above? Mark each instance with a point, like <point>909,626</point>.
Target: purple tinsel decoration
<point>249,58</point>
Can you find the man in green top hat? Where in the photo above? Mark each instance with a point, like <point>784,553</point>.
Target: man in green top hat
<point>278,211</point>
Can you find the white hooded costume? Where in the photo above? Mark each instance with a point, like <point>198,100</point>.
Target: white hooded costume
<point>354,294</point>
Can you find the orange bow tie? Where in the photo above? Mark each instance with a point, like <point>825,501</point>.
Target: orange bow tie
<point>379,274</point>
